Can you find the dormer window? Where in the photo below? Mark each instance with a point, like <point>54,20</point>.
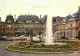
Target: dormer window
<point>28,21</point>
<point>20,21</point>
<point>78,15</point>
<point>36,22</point>
<point>9,21</point>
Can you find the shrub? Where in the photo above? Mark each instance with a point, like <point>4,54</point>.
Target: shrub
<point>27,46</point>
<point>66,46</point>
<point>31,43</point>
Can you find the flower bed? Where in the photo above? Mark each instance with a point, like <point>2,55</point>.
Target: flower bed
<point>30,45</point>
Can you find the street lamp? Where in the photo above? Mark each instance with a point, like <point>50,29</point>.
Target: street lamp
<point>39,35</point>
<point>31,37</point>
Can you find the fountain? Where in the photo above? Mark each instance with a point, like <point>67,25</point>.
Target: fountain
<point>49,39</point>
<point>49,35</point>
<point>49,43</point>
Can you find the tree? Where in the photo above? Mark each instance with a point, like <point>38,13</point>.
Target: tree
<point>39,35</point>
<point>31,35</point>
<point>0,33</point>
<point>79,35</point>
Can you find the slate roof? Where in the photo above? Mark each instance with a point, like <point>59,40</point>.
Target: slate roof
<point>43,20</point>
<point>67,17</point>
<point>25,18</point>
<point>77,15</point>
<point>9,17</point>
<point>54,19</point>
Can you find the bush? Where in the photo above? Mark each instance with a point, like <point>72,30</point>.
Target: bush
<point>30,44</point>
<point>27,46</point>
<point>66,46</point>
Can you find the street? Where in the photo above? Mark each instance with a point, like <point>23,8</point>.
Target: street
<point>4,52</point>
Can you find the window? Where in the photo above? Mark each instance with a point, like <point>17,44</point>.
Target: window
<point>32,26</point>
<point>28,21</point>
<point>16,26</point>
<point>36,26</point>
<point>78,15</point>
<point>9,21</point>
<point>24,26</point>
<point>20,26</point>
<point>40,26</point>
<point>36,21</point>
<point>2,27</point>
<point>20,21</point>
<point>9,26</point>
<point>79,24</point>
<point>28,26</point>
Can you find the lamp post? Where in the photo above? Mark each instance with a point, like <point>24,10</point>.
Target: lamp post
<point>31,37</point>
<point>39,35</point>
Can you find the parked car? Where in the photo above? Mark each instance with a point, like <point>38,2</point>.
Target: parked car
<point>3,37</point>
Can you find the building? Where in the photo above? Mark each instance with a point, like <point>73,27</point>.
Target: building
<point>69,26</point>
<point>23,25</point>
<point>63,27</point>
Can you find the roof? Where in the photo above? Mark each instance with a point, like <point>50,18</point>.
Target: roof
<point>43,20</point>
<point>25,18</point>
<point>77,15</point>
<point>9,18</point>
<point>59,18</point>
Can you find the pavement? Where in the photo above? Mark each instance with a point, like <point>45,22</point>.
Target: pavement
<point>4,52</point>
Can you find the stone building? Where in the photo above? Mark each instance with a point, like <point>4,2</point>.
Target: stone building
<point>69,27</point>
<point>23,25</point>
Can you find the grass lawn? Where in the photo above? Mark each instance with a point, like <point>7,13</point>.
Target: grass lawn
<point>35,50</point>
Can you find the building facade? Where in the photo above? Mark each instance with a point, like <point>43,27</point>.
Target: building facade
<point>69,26</point>
<point>23,25</point>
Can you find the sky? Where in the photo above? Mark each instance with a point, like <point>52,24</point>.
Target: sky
<point>38,7</point>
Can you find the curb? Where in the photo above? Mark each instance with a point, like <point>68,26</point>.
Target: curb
<point>42,52</point>
<point>17,50</point>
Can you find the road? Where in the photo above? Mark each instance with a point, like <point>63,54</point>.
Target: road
<point>4,52</point>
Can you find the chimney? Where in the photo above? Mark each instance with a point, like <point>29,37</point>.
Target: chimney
<point>14,17</point>
<point>40,17</point>
<point>79,8</point>
<point>0,19</point>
